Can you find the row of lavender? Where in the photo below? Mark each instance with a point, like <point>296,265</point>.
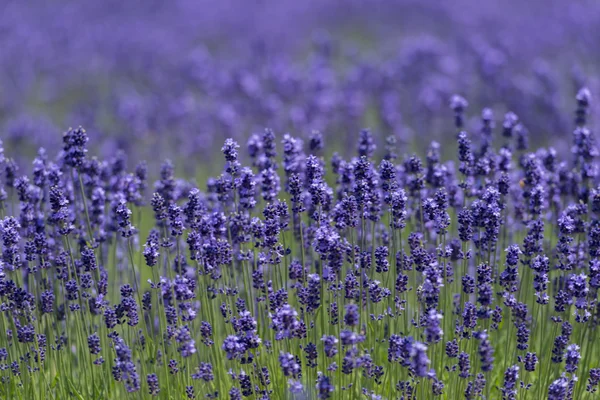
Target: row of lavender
<point>181,74</point>
<point>305,277</point>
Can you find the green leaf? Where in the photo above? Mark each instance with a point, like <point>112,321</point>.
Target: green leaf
<point>55,381</point>
<point>74,390</point>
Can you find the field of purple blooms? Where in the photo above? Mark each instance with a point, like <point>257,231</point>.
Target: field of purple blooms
<point>304,277</point>
<point>172,74</point>
<point>451,251</point>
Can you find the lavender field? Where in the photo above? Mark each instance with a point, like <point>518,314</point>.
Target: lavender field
<point>283,200</point>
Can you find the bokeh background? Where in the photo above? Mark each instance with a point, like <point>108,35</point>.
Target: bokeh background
<point>173,79</point>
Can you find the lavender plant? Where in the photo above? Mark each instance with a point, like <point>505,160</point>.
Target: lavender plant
<point>305,276</point>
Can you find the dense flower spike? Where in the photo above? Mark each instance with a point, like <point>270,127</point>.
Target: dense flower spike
<point>511,376</point>
<point>152,380</point>
<point>74,141</point>
<point>558,389</point>
<point>419,360</point>
<point>124,368</point>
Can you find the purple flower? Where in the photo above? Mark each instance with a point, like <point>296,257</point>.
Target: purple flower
<point>324,387</point>
<point>558,389</point>
<point>509,277</point>
<point>400,349</point>
<point>464,365</point>
<point>330,345</point>
<point>465,225</point>
<point>25,334</point>
<point>289,365</point>
<point>351,317</point>
<point>468,284</point>
<point>152,381</point>
<point>124,367</point>
<point>486,352</point>
<point>419,360</point>
<point>233,347</point>
<point>176,220</point>
<point>469,316</point>
<point>296,387</point>
<point>465,155</point>
<point>333,312</point>
<point>151,248</point>
<point>593,380</point>
<point>530,361</point>
<point>247,189</point>
<point>310,351</point>
<point>60,216</point>
<point>229,150</point>
<point>110,318</point>
<point>72,290</point>
<point>74,147</point>
<point>381,259</point>
<point>560,343</point>
<point>204,372</point>
<point>292,156</point>
<point>15,369</point>
<point>452,349</point>
<point>398,201</point>
<point>269,184</point>
<point>122,216</point>
<point>511,376</point>
<point>577,287</point>
<point>522,337</point>
<point>173,369</point>
<point>235,394</point>
<point>312,299</point>
<point>159,206</point>
<point>245,384</point>
<point>47,302</point>
<point>186,343</point>
<point>94,343</point>
<point>285,322</point>
<point>349,338</point>
<point>572,358</point>
<point>433,330</point>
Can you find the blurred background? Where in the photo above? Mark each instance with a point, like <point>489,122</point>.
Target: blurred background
<point>174,79</point>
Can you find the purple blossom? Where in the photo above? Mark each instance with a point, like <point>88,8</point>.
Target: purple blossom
<point>419,360</point>
<point>152,381</point>
<point>289,365</point>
